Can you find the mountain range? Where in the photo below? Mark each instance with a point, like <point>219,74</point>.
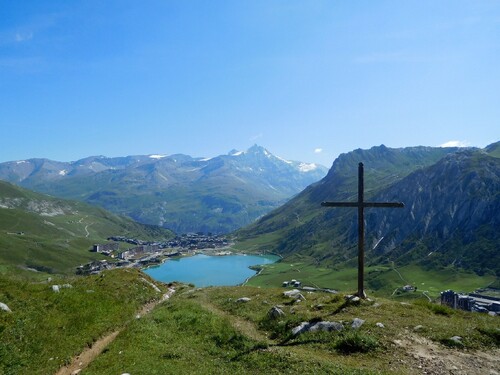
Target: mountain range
<point>451,215</point>
<point>178,192</point>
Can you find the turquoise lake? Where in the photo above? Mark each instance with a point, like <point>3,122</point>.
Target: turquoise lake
<point>203,270</point>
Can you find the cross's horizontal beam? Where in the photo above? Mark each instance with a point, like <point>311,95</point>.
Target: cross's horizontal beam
<point>364,204</point>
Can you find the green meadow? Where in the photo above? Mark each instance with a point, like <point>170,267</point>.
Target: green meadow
<point>379,280</point>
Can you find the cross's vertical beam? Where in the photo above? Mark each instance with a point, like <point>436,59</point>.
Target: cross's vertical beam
<point>361,231</point>
<point>361,204</point>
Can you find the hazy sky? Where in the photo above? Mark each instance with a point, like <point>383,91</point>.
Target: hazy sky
<point>305,79</point>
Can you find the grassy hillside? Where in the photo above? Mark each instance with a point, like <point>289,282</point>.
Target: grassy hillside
<point>39,232</point>
<point>44,329</point>
<point>206,331</point>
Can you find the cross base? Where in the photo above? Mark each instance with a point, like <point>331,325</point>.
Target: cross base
<point>361,295</point>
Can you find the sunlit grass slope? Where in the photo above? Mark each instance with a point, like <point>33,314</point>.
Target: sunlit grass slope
<point>53,235</point>
<point>46,329</point>
<point>207,331</point>
<point>381,280</point>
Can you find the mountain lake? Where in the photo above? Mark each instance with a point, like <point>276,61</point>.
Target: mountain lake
<point>204,270</point>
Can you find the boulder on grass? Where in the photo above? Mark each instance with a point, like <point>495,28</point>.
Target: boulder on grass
<point>275,312</point>
<point>4,307</point>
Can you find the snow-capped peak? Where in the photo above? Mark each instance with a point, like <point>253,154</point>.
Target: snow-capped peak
<point>235,153</point>
<point>156,156</point>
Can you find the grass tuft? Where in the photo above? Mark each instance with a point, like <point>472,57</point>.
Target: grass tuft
<point>355,342</point>
<point>492,333</point>
<point>435,308</point>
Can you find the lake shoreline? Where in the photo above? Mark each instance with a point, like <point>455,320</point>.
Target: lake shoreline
<point>203,270</point>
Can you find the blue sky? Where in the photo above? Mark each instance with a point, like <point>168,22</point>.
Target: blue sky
<point>308,80</point>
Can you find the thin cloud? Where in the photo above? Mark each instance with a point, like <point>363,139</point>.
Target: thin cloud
<point>455,144</point>
<point>318,150</point>
<point>23,37</point>
<point>257,136</point>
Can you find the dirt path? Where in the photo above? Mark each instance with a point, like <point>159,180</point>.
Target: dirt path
<point>426,357</point>
<point>87,230</point>
<point>242,325</point>
<point>88,355</point>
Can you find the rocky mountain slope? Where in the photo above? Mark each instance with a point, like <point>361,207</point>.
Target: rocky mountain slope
<point>451,215</point>
<point>42,233</point>
<point>178,192</point>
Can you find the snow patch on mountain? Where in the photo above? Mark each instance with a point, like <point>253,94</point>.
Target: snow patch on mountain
<point>307,167</point>
<point>283,160</point>
<point>157,156</point>
<point>63,172</point>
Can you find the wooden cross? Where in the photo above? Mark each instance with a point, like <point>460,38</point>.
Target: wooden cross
<point>361,204</point>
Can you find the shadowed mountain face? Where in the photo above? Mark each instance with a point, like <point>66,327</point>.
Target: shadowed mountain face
<point>177,192</point>
<point>451,214</point>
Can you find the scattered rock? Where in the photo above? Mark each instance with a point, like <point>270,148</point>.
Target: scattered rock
<point>76,372</point>
<point>376,304</point>
<point>317,326</point>
<point>492,313</point>
<point>291,293</point>
<point>55,288</point>
<point>457,339</point>
<point>352,299</point>
<point>4,307</point>
<point>294,293</point>
<point>327,326</point>
<point>68,286</point>
<point>405,303</point>
<point>300,328</point>
<point>275,312</point>
<point>356,323</point>
<point>243,299</point>
<point>418,328</point>
<point>380,325</point>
